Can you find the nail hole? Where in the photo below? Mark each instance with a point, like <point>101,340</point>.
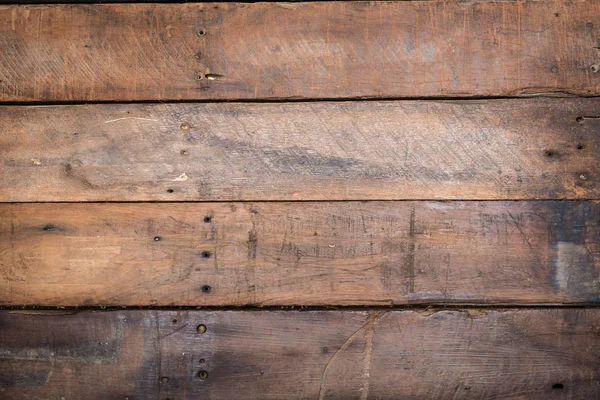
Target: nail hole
<point>549,153</point>
<point>580,146</point>
<point>202,361</point>
<point>589,25</point>
<point>164,379</point>
<point>175,321</point>
<point>169,190</point>
<point>198,77</point>
<point>580,120</point>
<point>594,68</point>
<point>325,350</point>
<point>202,375</point>
<point>556,15</point>
<point>201,32</point>
<point>184,126</point>
<point>184,152</point>
<point>206,254</point>
<point>48,227</point>
<point>558,386</point>
<point>207,219</point>
<point>205,289</point>
<point>157,238</point>
<point>198,55</point>
<point>75,133</point>
<point>201,328</point>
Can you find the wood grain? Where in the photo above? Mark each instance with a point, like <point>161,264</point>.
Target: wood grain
<point>324,253</point>
<point>533,354</point>
<point>477,149</point>
<point>297,50</point>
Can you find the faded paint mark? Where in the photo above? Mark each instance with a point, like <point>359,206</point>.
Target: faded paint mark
<point>570,258</point>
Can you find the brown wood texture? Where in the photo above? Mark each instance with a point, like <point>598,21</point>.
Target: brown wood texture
<point>323,253</point>
<point>517,354</point>
<point>476,149</point>
<point>298,50</point>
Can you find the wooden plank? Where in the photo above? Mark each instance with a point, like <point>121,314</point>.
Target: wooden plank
<point>297,50</point>
<point>324,253</point>
<point>532,354</point>
<point>501,149</point>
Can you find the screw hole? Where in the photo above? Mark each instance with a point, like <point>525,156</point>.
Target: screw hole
<point>202,375</point>
<point>594,68</point>
<point>201,328</point>
<point>184,152</point>
<point>201,32</point>
<point>206,289</point>
<point>198,77</point>
<point>549,153</point>
<point>184,127</point>
<point>164,379</point>
<point>583,177</point>
<point>169,190</point>
<point>206,254</point>
<point>202,361</point>
<point>558,386</point>
<point>157,238</point>
<point>207,219</point>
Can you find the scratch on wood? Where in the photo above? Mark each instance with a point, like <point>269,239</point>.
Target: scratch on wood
<point>120,119</point>
<point>410,259</point>
<point>369,325</point>
<point>520,230</point>
<point>369,353</point>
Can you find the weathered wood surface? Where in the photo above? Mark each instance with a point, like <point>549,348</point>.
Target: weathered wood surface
<point>478,149</point>
<point>298,50</point>
<point>324,253</point>
<point>521,354</point>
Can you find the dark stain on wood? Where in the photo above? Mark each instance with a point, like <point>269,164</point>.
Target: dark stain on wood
<point>337,354</point>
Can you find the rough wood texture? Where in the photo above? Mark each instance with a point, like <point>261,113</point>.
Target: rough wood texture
<point>524,354</point>
<point>501,149</point>
<point>340,253</point>
<point>298,50</point>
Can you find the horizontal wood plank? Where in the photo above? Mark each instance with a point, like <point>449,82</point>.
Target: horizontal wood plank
<point>323,253</point>
<point>478,149</point>
<point>297,50</point>
<point>533,354</point>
